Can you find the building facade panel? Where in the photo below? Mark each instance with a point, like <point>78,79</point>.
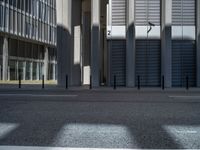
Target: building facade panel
<point>183,42</point>
<point>118,62</point>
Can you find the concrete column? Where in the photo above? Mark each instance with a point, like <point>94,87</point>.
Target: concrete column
<point>130,50</point>
<point>64,17</point>
<point>54,72</point>
<point>5,59</point>
<point>31,71</point>
<point>198,41</point>
<point>95,42</point>
<point>46,63</point>
<point>166,57</point>
<point>38,71</point>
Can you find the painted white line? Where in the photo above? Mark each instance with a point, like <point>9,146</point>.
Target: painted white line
<point>52,148</point>
<point>186,97</point>
<point>186,132</point>
<point>36,95</point>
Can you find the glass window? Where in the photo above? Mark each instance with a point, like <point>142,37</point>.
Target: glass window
<point>21,66</point>
<point>13,69</point>
<point>13,45</point>
<point>28,70</point>
<point>0,67</point>
<point>35,71</point>
<point>1,16</point>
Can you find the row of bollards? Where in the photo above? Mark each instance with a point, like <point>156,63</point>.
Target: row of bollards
<point>114,82</point>
<point>20,82</point>
<point>139,83</point>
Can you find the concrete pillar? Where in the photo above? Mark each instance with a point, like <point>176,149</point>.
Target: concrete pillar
<point>5,59</point>
<point>31,71</point>
<point>130,50</point>
<point>64,17</point>
<point>166,57</point>
<point>38,71</point>
<point>198,41</point>
<point>95,41</point>
<point>24,71</point>
<point>46,63</point>
<point>54,72</point>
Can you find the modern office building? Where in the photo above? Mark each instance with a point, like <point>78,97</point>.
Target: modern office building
<point>28,39</point>
<point>149,40</point>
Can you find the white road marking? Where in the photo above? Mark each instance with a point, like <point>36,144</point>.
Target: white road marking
<point>186,132</point>
<point>185,97</point>
<point>51,148</point>
<point>36,95</point>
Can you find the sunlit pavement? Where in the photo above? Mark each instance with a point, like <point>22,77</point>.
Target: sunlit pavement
<point>97,120</point>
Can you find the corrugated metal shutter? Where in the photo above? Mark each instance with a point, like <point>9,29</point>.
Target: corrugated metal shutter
<point>148,62</point>
<point>183,12</point>
<point>183,63</point>
<point>118,62</point>
<point>147,11</point>
<point>118,12</point>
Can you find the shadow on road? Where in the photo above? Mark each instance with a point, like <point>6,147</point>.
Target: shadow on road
<point>95,125</point>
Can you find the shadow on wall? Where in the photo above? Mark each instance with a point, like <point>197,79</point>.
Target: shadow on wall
<point>66,65</point>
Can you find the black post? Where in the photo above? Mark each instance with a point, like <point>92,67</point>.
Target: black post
<point>163,82</point>
<point>66,81</point>
<point>20,82</point>
<point>187,83</point>
<point>138,82</point>
<point>90,82</point>
<point>115,82</point>
<point>43,81</point>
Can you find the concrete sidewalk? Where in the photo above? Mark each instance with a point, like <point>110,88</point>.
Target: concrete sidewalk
<point>54,87</point>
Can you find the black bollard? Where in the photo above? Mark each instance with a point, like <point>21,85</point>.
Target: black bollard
<point>42,81</point>
<point>90,82</point>
<point>115,82</point>
<point>67,82</point>
<point>20,82</point>
<point>138,82</point>
<point>187,83</point>
<point>163,82</point>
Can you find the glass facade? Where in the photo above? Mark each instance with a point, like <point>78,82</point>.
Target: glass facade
<point>27,60</point>
<point>29,26</point>
<point>32,19</point>
<point>1,51</point>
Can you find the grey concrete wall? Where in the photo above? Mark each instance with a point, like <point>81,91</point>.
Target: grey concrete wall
<point>130,50</point>
<point>76,43</point>
<point>63,39</point>
<point>95,42</point>
<point>68,41</point>
<point>166,52</point>
<point>198,41</point>
<point>5,59</point>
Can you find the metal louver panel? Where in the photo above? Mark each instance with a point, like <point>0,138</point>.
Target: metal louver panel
<point>183,12</point>
<point>148,62</point>
<point>183,63</point>
<point>147,11</point>
<point>118,12</point>
<point>118,62</point>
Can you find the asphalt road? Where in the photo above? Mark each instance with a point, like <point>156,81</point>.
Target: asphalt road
<point>100,119</point>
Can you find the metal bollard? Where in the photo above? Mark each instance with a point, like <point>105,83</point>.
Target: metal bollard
<point>187,83</point>
<point>42,81</point>
<point>138,82</point>
<point>90,82</point>
<point>20,82</point>
<point>115,82</point>
<point>67,82</point>
<point>163,82</point>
